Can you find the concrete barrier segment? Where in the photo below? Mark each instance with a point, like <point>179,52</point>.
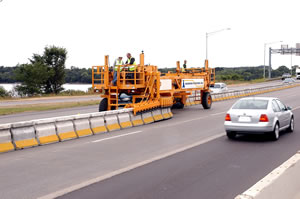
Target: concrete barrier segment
<point>45,131</point>
<point>213,97</point>
<point>165,113</point>
<point>23,134</point>
<point>124,120</point>
<point>65,128</point>
<point>112,122</point>
<point>147,117</point>
<point>82,125</point>
<point>136,119</point>
<point>97,123</point>
<point>157,116</point>
<point>170,112</point>
<point>6,143</point>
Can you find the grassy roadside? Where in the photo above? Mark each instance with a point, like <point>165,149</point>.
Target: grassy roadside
<point>44,107</point>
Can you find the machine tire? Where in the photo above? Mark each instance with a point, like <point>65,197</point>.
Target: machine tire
<point>292,125</point>
<point>103,105</point>
<point>275,134</point>
<point>178,105</point>
<point>231,135</point>
<point>206,100</point>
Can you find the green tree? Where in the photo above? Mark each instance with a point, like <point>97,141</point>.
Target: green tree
<point>3,92</point>
<point>32,78</point>
<point>54,58</point>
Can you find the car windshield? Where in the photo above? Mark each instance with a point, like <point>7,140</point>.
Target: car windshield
<point>217,86</point>
<point>251,104</point>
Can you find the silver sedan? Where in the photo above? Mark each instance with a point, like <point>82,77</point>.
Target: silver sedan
<point>258,115</point>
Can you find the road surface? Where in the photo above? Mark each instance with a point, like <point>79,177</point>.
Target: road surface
<point>213,168</point>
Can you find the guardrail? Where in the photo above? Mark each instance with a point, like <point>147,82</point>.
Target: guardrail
<point>22,135</point>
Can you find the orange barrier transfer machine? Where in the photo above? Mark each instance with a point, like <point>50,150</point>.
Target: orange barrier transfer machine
<point>145,88</point>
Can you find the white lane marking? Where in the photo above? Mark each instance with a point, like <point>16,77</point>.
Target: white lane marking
<point>218,113</point>
<point>186,121</point>
<point>133,166</point>
<point>101,140</point>
<point>296,108</point>
<point>181,122</point>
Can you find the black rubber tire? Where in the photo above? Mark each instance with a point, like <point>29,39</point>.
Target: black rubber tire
<point>275,134</point>
<point>292,125</point>
<point>178,105</point>
<point>231,135</point>
<point>103,105</point>
<point>206,100</point>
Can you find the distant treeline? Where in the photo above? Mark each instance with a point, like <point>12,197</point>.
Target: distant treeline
<point>83,75</point>
<point>242,73</point>
<point>73,75</point>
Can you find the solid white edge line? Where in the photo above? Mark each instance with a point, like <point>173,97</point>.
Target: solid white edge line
<point>262,184</point>
<point>95,141</point>
<point>131,167</point>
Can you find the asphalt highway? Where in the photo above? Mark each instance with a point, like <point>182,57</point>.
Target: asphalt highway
<point>217,169</point>
<point>157,159</point>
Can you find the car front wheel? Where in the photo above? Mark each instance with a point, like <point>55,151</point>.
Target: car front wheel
<point>292,125</point>
<point>276,132</point>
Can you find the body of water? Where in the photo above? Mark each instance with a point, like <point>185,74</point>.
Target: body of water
<point>81,87</point>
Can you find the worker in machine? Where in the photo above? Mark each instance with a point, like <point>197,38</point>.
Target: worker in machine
<point>118,63</point>
<point>184,66</point>
<point>131,67</point>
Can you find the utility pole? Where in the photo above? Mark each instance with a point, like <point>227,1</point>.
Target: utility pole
<point>270,66</point>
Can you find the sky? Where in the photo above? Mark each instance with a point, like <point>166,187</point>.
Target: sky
<point>166,30</point>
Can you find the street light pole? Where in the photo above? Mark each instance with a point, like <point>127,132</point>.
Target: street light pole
<point>265,45</point>
<point>209,34</point>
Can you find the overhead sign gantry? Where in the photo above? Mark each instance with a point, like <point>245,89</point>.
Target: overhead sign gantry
<point>284,50</point>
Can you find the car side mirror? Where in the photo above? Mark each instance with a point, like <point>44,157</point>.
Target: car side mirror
<point>289,108</point>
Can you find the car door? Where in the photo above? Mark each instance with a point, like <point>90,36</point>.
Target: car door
<point>277,111</point>
<point>285,114</point>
